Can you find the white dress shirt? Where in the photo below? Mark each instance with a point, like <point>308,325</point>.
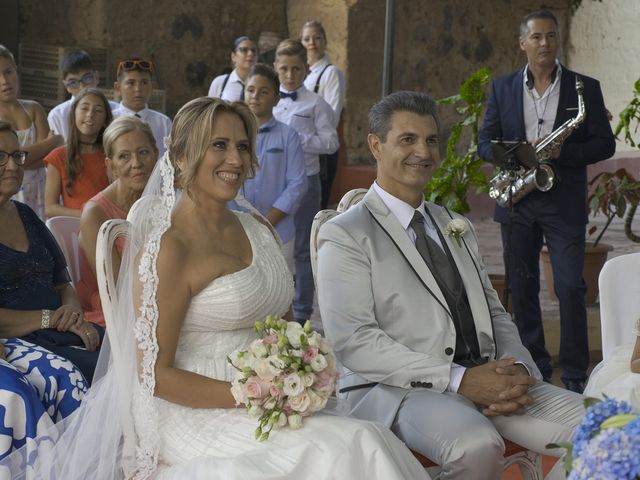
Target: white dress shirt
<point>540,110</point>
<point>160,124</point>
<point>232,90</point>
<point>314,121</point>
<point>58,117</point>
<point>331,86</point>
<point>404,214</point>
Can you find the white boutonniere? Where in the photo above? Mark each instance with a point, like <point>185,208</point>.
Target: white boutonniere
<point>456,228</point>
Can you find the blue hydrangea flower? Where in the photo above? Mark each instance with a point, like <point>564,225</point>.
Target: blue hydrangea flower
<point>633,428</point>
<point>592,420</point>
<point>611,454</point>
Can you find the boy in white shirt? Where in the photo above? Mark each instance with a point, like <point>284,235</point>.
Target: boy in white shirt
<point>314,121</point>
<point>134,84</point>
<point>78,73</point>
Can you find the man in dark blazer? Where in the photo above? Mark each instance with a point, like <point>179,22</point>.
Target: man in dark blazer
<point>528,105</point>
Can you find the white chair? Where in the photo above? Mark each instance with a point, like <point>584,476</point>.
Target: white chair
<point>109,232</point>
<point>619,284</point>
<point>65,231</point>
<point>529,463</point>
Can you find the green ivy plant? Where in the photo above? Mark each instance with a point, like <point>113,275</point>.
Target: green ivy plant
<point>613,194</point>
<point>630,116</point>
<point>458,173</point>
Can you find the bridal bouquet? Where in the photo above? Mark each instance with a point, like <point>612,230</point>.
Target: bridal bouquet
<point>287,373</point>
<point>606,444</point>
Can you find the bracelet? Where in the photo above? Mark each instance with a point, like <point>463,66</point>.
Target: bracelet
<point>46,317</point>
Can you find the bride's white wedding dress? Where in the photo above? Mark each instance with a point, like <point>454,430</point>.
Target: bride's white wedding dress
<point>613,378</point>
<point>220,443</point>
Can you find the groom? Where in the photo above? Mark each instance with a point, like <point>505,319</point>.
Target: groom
<point>406,302</point>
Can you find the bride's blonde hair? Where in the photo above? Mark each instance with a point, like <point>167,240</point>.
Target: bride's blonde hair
<point>192,130</point>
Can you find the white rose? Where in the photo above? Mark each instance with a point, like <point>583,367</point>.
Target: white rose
<point>300,403</point>
<point>238,393</point>
<point>255,410</point>
<point>277,362</point>
<point>324,345</point>
<point>295,421</point>
<point>317,402</point>
<point>237,359</point>
<point>294,331</point>
<point>293,385</point>
<point>264,369</point>
<point>269,404</point>
<point>319,363</point>
<point>314,339</point>
<point>258,348</point>
<point>308,379</point>
<point>282,420</point>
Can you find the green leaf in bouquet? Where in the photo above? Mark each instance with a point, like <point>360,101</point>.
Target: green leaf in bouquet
<point>258,432</point>
<point>567,460</point>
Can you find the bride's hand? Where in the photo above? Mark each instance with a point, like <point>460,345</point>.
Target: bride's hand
<point>88,334</point>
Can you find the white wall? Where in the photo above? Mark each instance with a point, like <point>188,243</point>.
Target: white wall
<point>604,43</point>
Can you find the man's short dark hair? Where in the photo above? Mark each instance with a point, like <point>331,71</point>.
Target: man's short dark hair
<point>75,61</point>
<point>267,72</point>
<point>546,14</point>
<point>403,101</point>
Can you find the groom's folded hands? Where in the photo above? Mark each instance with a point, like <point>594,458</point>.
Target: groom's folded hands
<point>500,387</point>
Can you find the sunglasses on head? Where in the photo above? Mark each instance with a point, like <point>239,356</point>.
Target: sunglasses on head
<point>127,65</point>
<point>86,79</point>
<point>18,157</point>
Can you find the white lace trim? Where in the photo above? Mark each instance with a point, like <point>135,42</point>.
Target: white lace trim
<point>146,325</point>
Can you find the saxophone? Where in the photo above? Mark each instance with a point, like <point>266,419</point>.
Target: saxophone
<point>508,187</point>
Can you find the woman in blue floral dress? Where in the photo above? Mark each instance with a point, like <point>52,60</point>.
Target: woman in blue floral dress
<point>37,389</point>
<point>41,320</point>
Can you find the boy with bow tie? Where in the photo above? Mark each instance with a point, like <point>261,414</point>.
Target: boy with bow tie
<point>314,121</point>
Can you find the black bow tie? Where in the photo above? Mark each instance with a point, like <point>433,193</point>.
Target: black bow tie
<point>264,129</point>
<point>293,95</point>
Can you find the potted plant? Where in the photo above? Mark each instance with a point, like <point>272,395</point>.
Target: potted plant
<point>458,173</point>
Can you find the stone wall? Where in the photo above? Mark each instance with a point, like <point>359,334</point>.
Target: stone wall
<point>437,44</point>
<point>189,41</point>
<point>604,42</point>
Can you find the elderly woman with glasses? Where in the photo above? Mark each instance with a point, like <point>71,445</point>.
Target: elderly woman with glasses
<point>230,86</point>
<point>131,154</point>
<point>37,301</point>
<point>38,386</point>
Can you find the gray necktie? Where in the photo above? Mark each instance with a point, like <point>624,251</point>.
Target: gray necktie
<point>433,255</point>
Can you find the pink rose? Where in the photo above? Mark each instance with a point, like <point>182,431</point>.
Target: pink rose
<point>325,381</point>
<point>310,354</point>
<point>271,339</point>
<point>276,392</point>
<point>255,388</point>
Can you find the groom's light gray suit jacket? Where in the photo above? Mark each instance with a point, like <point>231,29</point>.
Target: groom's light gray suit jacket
<point>385,316</point>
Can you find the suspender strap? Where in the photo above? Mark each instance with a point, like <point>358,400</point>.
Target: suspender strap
<point>224,84</point>
<point>317,87</point>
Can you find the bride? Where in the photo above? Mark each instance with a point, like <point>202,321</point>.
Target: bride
<point>195,278</point>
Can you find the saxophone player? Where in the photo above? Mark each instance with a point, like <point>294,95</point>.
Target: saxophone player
<point>530,104</point>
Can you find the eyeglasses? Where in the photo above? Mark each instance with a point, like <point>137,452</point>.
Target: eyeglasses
<point>127,65</point>
<point>19,157</point>
<point>245,50</point>
<point>87,79</point>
